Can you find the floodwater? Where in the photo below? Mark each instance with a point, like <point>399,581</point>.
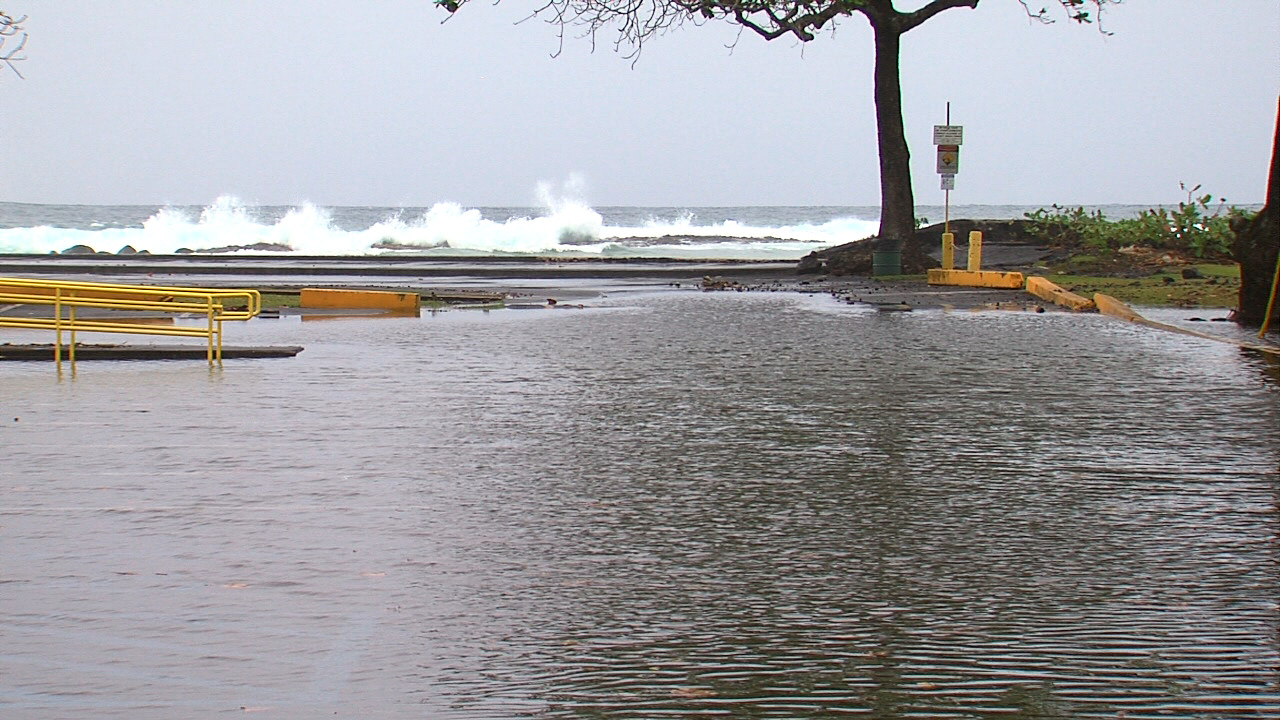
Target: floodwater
<point>664,505</point>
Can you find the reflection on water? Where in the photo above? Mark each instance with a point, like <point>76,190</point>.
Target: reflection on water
<point>670,505</point>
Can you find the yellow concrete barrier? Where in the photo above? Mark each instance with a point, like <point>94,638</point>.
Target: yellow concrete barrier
<point>1056,294</point>
<point>979,278</point>
<point>974,276</point>
<point>368,299</point>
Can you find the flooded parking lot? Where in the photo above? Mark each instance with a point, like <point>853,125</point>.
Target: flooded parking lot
<point>665,504</point>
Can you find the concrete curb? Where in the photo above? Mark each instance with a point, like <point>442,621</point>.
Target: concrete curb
<point>1056,294</point>
<point>44,352</point>
<point>1112,307</point>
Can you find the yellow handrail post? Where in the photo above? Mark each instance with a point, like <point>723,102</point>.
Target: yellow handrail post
<point>209,316</point>
<point>71,350</point>
<point>57,328</point>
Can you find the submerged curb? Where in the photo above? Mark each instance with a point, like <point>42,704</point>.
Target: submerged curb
<point>1112,307</point>
<point>45,352</point>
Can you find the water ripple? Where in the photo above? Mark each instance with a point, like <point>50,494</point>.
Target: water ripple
<point>683,505</point>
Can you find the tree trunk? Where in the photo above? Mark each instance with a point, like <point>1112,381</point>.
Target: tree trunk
<point>1256,247</point>
<point>897,205</point>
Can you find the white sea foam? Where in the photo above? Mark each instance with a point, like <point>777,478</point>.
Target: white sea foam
<point>565,225</point>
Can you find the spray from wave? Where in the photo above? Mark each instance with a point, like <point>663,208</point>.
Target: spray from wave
<point>564,225</point>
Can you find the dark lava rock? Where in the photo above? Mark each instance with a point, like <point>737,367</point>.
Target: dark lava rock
<point>855,258</point>
<point>1191,273</point>
<point>1008,232</point>
<point>127,250</point>
<point>79,250</point>
<point>259,246</point>
<point>810,264</point>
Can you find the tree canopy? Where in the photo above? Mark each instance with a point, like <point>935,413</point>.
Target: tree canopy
<point>636,21</point>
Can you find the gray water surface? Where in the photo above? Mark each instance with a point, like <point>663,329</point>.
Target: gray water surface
<point>665,505</point>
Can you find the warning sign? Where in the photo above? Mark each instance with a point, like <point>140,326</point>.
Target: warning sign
<point>948,159</point>
<point>948,182</point>
<point>948,134</point>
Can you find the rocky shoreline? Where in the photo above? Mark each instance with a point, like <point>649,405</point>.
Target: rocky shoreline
<point>842,271</point>
<point>1006,245</point>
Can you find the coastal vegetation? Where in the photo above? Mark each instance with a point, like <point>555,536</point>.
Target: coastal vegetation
<point>1174,256</point>
<point>1200,227</point>
<point>1163,256</point>
<point>1179,256</point>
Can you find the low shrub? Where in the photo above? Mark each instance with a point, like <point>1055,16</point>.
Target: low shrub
<point>1197,227</point>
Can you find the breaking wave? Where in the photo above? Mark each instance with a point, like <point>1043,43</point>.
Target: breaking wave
<point>563,226</point>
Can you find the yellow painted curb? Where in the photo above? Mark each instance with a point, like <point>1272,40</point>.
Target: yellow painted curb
<point>371,299</point>
<point>1112,307</point>
<point>1054,293</point>
<point>977,278</point>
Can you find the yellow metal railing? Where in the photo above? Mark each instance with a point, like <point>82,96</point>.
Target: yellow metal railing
<point>66,297</point>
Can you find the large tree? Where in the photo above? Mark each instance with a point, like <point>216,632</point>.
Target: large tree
<point>1257,249</point>
<point>636,21</point>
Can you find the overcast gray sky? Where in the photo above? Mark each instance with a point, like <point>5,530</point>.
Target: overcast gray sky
<point>339,102</point>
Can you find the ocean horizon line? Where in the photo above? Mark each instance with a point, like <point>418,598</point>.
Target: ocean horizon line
<point>560,226</point>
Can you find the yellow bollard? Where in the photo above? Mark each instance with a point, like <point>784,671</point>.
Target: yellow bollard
<point>948,251</point>
<point>975,251</point>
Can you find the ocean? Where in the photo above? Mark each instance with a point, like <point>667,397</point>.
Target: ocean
<point>561,227</point>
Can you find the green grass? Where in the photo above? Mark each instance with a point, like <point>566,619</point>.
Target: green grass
<point>1219,288</point>
<point>271,300</point>
<point>280,300</point>
<point>495,305</point>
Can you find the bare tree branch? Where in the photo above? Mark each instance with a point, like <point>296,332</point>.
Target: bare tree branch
<point>11,29</point>
<point>1077,10</point>
<point>911,20</point>
<point>634,22</point>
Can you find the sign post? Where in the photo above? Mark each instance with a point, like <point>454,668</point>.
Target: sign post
<point>948,138</point>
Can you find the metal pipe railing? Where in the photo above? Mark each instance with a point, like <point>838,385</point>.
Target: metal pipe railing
<point>66,296</point>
